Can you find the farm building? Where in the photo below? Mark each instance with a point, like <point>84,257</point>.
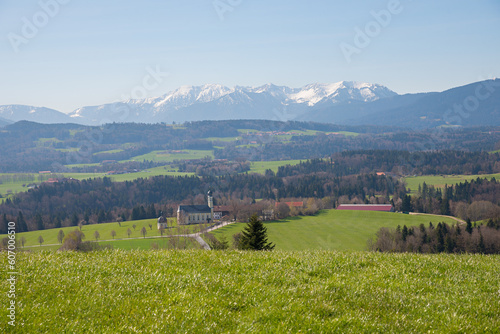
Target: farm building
<point>221,211</point>
<point>367,207</point>
<point>291,204</point>
<point>196,214</point>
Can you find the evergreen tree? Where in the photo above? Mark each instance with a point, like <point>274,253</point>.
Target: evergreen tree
<point>449,244</point>
<point>406,205</point>
<point>74,220</point>
<point>254,236</point>
<point>21,223</point>
<point>5,225</point>
<point>101,216</point>
<point>468,228</point>
<point>57,223</point>
<point>481,247</point>
<point>151,212</point>
<point>404,232</point>
<point>86,217</point>
<point>445,207</point>
<point>39,222</point>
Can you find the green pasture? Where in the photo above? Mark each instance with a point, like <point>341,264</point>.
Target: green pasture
<point>222,139</point>
<point>441,180</point>
<point>197,291</point>
<point>109,151</point>
<point>345,133</point>
<point>332,229</point>
<point>15,181</point>
<point>42,141</point>
<point>166,156</point>
<point>261,166</point>
<point>50,235</point>
<point>82,165</point>
<point>71,149</point>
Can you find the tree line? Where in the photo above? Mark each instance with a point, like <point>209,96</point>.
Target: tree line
<point>441,238</point>
<point>99,200</point>
<point>399,163</point>
<point>476,199</point>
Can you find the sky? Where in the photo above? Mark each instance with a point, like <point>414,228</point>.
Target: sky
<point>66,54</point>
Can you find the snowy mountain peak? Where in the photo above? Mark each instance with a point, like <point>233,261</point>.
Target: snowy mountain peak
<point>342,91</point>
<point>215,101</point>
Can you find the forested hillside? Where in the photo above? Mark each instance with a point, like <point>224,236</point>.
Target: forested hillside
<point>32,147</point>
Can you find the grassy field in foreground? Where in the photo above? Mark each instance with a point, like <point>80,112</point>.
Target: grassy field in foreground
<point>441,180</point>
<point>253,292</point>
<point>332,229</point>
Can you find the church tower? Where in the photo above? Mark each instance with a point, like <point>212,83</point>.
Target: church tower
<point>210,200</point>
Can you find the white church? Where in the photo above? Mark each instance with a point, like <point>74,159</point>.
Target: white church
<point>196,214</point>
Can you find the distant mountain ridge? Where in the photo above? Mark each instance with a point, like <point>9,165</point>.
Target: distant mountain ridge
<point>345,102</point>
<point>217,102</point>
<point>16,112</point>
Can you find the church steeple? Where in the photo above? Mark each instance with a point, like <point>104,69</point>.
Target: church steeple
<point>210,199</point>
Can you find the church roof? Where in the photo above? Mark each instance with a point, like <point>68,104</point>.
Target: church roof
<point>195,208</point>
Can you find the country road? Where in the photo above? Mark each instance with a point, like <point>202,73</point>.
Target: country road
<point>429,214</point>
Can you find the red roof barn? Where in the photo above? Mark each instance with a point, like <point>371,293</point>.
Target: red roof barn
<point>291,204</point>
<point>366,207</point>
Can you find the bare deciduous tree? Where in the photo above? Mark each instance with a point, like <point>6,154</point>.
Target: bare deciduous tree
<point>60,236</point>
<point>283,210</point>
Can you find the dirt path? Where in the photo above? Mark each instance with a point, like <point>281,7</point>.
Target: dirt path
<point>429,214</point>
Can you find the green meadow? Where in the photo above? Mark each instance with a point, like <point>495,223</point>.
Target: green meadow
<point>328,230</point>
<point>166,156</point>
<point>109,151</point>
<point>440,181</point>
<point>332,229</point>
<point>121,238</point>
<point>198,291</point>
<point>14,186</point>
<point>261,166</point>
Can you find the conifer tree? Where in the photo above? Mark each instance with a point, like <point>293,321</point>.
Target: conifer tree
<point>5,225</point>
<point>21,223</point>
<point>39,222</point>
<point>468,228</point>
<point>254,236</point>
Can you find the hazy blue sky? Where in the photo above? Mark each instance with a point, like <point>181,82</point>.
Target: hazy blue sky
<point>92,52</point>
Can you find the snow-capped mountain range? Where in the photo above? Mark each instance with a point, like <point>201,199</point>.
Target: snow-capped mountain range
<point>217,102</point>
<point>343,102</point>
